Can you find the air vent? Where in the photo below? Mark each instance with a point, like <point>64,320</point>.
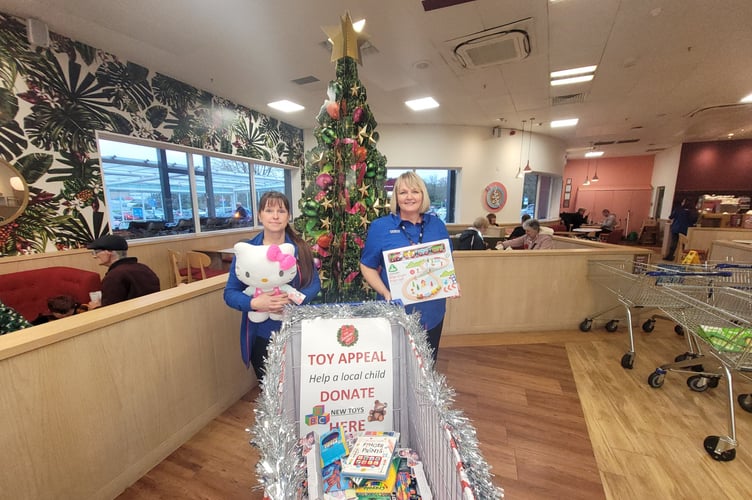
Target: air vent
<point>306,80</point>
<point>654,150</point>
<point>491,49</point>
<point>503,44</point>
<point>560,100</point>
<point>627,141</point>
<point>429,5</point>
<point>603,143</point>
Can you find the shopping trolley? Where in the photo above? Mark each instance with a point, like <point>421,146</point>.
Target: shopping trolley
<point>637,286</point>
<point>720,320</point>
<point>441,435</point>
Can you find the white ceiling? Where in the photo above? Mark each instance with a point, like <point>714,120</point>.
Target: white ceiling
<point>669,71</point>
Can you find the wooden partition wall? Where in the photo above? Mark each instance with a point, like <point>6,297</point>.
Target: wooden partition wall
<point>539,290</point>
<point>730,251</point>
<point>150,251</point>
<point>91,402</point>
<point>700,238</point>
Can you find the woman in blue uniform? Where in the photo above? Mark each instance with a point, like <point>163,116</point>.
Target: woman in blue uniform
<point>274,215</point>
<point>407,224</point>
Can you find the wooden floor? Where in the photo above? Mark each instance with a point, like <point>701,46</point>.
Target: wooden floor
<point>557,418</point>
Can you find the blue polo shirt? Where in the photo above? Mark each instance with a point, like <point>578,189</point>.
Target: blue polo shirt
<point>385,233</point>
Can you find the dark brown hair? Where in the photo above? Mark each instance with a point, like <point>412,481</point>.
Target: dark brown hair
<point>61,304</point>
<point>305,256</point>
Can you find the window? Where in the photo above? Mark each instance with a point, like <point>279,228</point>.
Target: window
<point>155,189</point>
<point>441,184</point>
<point>541,195</point>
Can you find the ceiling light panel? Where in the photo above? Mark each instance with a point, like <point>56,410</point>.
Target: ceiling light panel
<point>422,104</point>
<point>569,122</point>
<point>285,106</point>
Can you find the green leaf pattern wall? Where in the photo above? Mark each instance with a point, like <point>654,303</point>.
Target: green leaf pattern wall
<point>53,100</point>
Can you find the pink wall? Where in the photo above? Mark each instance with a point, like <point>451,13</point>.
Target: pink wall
<point>623,187</point>
<point>629,172</point>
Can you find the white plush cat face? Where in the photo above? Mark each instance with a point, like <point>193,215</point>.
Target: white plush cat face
<point>257,266</point>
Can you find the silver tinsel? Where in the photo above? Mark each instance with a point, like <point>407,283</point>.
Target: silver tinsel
<point>281,470</point>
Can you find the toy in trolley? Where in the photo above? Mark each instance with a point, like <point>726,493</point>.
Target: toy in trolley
<point>636,285</point>
<point>720,320</point>
<point>361,367</point>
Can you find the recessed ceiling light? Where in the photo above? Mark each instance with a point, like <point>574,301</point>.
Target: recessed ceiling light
<point>574,79</point>
<point>747,98</point>
<point>593,154</point>
<point>285,106</point>
<point>573,71</point>
<point>569,122</point>
<point>421,104</point>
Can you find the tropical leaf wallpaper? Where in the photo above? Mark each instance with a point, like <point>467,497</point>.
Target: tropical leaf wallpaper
<point>53,100</point>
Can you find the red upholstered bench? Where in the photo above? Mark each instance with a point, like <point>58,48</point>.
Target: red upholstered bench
<point>27,291</point>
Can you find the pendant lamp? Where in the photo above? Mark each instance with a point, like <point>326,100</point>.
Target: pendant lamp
<point>520,174</point>
<point>595,175</point>
<point>528,168</point>
<point>587,176</point>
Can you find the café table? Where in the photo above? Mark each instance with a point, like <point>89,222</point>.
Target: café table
<point>587,231</point>
<point>220,257</point>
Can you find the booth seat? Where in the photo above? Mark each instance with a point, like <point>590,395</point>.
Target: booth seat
<point>27,291</point>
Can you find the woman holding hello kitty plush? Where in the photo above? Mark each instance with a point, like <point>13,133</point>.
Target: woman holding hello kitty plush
<point>274,216</point>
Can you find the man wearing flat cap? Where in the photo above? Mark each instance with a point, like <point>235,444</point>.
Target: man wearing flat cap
<point>126,278</point>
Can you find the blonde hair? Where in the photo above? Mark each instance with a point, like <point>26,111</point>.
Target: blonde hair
<point>480,223</point>
<point>410,180</point>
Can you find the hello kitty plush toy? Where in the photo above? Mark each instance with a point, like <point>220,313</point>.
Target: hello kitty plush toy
<point>267,268</point>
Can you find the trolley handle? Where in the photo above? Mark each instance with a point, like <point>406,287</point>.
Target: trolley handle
<point>729,265</point>
<point>724,274</point>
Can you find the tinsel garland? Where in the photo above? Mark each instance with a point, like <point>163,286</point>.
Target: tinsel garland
<point>281,470</point>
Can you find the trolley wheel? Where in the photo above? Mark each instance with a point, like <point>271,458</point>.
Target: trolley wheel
<point>713,382</point>
<point>745,401</point>
<point>655,380</point>
<point>698,383</point>
<point>627,361</point>
<point>648,326</point>
<point>710,444</point>
<point>679,330</point>
<point>612,325</point>
<point>586,325</point>
<point>682,357</point>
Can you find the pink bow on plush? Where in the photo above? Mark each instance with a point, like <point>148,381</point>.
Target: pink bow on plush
<point>275,254</point>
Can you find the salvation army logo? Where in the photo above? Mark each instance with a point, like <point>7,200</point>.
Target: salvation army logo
<point>347,335</point>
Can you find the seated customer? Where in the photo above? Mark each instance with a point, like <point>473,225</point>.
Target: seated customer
<point>472,237</point>
<point>491,219</point>
<point>519,230</point>
<point>60,306</point>
<point>609,221</point>
<point>533,239</point>
<point>126,278</point>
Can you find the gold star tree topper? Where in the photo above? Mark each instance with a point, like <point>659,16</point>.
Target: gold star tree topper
<point>345,41</point>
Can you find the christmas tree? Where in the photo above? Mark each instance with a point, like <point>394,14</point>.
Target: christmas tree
<point>343,178</point>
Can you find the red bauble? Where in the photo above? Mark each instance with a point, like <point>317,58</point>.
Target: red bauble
<point>332,108</point>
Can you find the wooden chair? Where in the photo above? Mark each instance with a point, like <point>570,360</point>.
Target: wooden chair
<point>614,237</point>
<point>178,275</point>
<point>197,264</point>
<point>681,248</point>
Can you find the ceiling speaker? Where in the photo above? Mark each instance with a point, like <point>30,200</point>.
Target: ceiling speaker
<point>37,32</point>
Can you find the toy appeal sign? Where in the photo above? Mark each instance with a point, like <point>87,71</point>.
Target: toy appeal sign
<point>418,273</point>
<point>346,375</point>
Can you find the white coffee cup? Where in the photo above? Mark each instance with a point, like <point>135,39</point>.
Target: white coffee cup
<point>95,296</point>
